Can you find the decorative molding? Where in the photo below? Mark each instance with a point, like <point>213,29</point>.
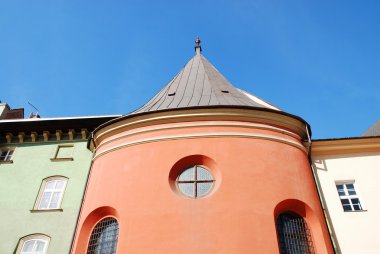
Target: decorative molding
<point>34,136</point>
<point>46,135</point>
<point>84,133</point>
<point>200,125</point>
<point>214,114</point>
<point>9,137</point>
<point>21,136</point>
<point>346,146</point>
<point>204,135</point>
<point>71,133</point>
<point>58,134</point>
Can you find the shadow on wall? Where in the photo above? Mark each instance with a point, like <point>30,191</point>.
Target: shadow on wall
<point>320,164</point>
<point>301,209</point>
<point>90,222</point>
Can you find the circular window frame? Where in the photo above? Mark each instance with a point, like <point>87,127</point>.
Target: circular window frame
<point>195,181</point>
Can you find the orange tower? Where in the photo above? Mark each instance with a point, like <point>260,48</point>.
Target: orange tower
<point>202,167</point>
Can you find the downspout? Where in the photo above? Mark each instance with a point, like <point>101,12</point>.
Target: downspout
<point>322,200</point>
<point>89,142</point>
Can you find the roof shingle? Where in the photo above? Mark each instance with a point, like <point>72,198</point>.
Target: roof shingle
<point>200,84</point>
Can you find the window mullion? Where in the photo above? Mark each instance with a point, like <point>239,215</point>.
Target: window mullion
<point>345,189</point>
<point>352,206</point>
<point>195,181</point>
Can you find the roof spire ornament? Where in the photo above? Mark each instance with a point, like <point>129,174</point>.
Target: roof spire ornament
<point>198,48</point>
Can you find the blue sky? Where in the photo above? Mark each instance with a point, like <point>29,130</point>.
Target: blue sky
<point>316,59</point>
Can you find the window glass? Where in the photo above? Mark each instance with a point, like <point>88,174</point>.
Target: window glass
<point>52,194</point>
<point>293,234</point>
<point>195,181</point>
<point>187,189</point>
<point>203,188</point>
<point>203,174</point>
<point>349,197</point>
<point>6,154</point>
<point>340,190</point>
<point>104,237</point>
<point>33,247</point>
<point>187,175</point>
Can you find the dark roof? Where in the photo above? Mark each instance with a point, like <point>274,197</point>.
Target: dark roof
<point>52,124</point>
<point>199,84</point>
<point>374,130</point>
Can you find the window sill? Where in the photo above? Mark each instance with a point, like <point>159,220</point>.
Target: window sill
<point>46,210</point>
<point>6,162</point>
<point>356,211</point>
<point>62,159</point>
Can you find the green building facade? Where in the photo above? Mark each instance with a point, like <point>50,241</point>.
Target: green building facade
<point>44,165</point>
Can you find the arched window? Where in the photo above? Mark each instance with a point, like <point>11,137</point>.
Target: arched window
<point>51,193</point>
<point>104,237</point>
<point>294,235</point>
<point>33,244</point>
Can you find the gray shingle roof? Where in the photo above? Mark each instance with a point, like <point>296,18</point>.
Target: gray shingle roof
<point>374,130</point>
<point>200,84</point>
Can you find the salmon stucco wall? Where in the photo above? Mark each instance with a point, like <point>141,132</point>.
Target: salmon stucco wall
<point>258,172</point>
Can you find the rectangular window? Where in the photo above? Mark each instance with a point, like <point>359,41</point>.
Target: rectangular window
<point>63,152</point>
<point>349,197</point>
<point>6,154</point>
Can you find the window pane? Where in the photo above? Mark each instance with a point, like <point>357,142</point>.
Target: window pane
<point>346,205</point>
<point>203,174</point>
<point>28,246</point>
<point>340,189</point>
<point>40,246</point>
<point>50,185</point>
<point>294,235</point>
<point>351,189</point>
<point>45,200</point>
<point>356,204</point>
<point>347,208</point>
<point>59,185</point>
<point>104,237</point>
<point>187,175</point>
<point>54,200</point>
<point>203,188</point>
<point>6,155</point>
<point>187,189</point>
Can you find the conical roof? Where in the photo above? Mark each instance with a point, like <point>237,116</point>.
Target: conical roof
<point>199,84</point>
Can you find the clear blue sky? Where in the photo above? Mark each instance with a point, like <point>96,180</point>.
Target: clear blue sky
<point>316,59</point>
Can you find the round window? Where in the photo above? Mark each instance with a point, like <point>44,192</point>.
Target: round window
<point>195,181</point>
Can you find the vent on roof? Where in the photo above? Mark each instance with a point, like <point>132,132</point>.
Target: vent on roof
<point>171,94</point>
<point>225,91</point>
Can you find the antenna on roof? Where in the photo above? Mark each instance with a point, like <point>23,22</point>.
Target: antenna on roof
<point>32,115</point>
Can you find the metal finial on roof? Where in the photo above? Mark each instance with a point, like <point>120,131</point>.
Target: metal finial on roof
<point>198,41</point>
<point>198,47</point>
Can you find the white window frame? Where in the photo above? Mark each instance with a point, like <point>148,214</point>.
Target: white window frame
<point>43,189</point>
<point>348,196</point>
<point>34,237</point>
<point>7,158</point>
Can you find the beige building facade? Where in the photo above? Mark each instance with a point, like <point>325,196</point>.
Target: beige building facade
<point>348,171</point>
